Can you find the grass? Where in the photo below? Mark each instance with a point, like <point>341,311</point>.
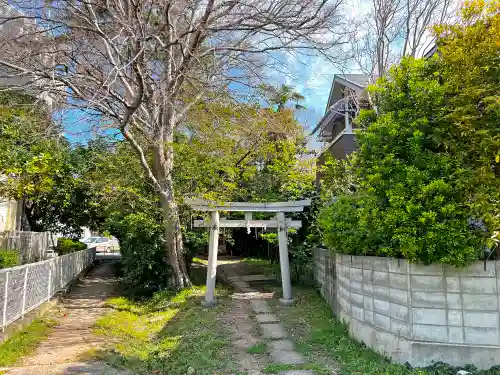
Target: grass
<point>325,341</point>
<point>166,334</point>
<point>199,261</point>
<point>261,266</point>
<point>24,342</point>
<point>259,348</point>
<point>276,368</point>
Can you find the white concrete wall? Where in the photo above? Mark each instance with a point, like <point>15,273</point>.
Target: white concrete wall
<point>416,313</point>
<point>8,215</point>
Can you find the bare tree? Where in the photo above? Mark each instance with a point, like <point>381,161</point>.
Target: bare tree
<point>140,65</point>
<point>396,28</point>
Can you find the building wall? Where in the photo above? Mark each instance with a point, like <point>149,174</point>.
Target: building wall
<point>9,218</point>
<point>415,313</point>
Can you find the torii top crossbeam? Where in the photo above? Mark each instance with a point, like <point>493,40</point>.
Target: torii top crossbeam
<point>292,206</point>
<point>281,223</point>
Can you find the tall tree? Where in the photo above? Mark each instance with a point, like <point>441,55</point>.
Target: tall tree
<point>38,167</point>
<point>280,96</point>
<point>139,66</point>
<point>393,29</point>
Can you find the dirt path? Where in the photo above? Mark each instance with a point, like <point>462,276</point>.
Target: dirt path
<point>252,322</point>
<point>72,337</point>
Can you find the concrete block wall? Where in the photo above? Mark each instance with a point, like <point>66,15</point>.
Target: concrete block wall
<point>415,313</point>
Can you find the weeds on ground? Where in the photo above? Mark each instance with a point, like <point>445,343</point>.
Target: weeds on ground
<point>259,348</point>
<point>325,340</point>
<point>166,334</point>
<point>261,266</point>
<point>276,368</point>
<point>24,342</point>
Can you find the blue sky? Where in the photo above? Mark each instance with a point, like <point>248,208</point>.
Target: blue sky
<point>311,76</point>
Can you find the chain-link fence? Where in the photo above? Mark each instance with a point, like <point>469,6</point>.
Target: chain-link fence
<point>26,287</point>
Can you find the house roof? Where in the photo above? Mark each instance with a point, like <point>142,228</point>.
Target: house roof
<point>360,80</point>
<point>353,81</point>
<point>431,51</point>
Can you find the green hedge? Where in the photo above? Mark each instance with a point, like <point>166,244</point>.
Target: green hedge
<point>9,258</point>
<point>68,245</point>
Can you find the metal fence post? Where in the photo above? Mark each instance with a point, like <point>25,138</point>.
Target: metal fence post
<point>6,297</point>
<point>50,281</point>
<point>24,291</point>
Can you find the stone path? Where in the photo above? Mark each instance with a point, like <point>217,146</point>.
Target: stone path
<point>72,337</point>
<point>280,348</point>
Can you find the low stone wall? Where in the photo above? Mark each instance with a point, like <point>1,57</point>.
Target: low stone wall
<point>415,313</point>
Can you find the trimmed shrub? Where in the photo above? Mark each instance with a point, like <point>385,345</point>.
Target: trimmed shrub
<point>9,258</point>
<point>68,245</point>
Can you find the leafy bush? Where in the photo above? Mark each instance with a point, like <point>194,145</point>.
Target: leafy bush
<point>194,243</point>
<point>143,253</point>
<point>9,258</point>
<point>426,187</point>
<point>68,245</point>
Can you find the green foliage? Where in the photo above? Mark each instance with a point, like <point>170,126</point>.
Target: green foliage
<point>166,334</point>
<point>337,177</point>
<point>69,245</point>
<point>143,253</point>
<point>280,96</point>
<point>427,190</point>
<point>9,258</point>
<point>24,342</point>
<point>194,242</point>
<point>41,168</point>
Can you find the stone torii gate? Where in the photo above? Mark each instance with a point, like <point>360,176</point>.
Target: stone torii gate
<point>281,223</point>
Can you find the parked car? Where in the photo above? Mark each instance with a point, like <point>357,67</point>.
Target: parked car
<point>50,253</point>
<point>102,244</point>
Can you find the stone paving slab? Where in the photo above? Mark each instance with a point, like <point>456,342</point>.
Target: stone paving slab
<point>297,372</point>
<point>260,307</point>
<point>281,345</point>
<point>248,290</point>
<point>286,357</point>
<point>257,278</point>
<point>241,284</point>
<point>273,331</point>
<point>267,318</point>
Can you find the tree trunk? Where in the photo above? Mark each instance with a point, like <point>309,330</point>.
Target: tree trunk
<point>173,240</point>
<point>163,166</point>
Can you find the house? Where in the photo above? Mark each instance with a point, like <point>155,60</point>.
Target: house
<point>347,97</point>
<point>336,128</point>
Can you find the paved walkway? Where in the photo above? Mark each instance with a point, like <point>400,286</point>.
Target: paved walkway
<point>280,348</point>
<point>72,337</point>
